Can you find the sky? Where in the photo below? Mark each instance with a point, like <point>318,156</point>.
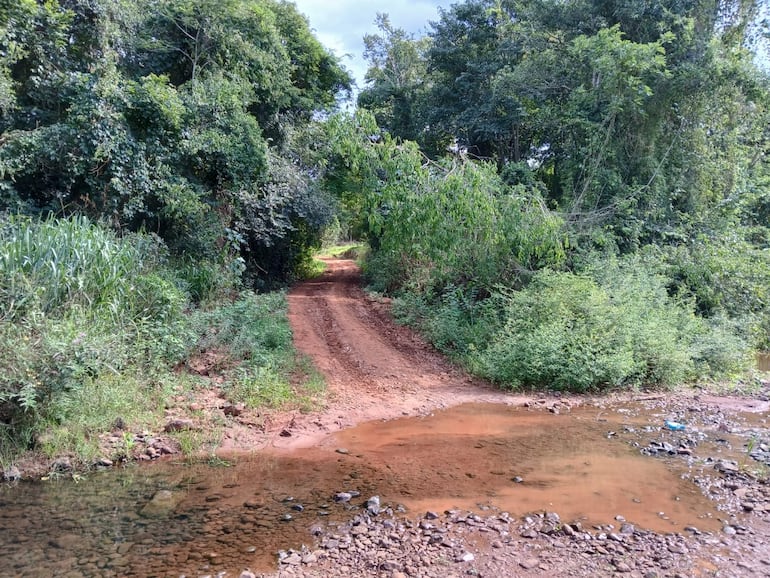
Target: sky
<point>341,24</point>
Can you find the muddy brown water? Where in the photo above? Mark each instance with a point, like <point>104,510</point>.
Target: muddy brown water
<point>171,519</point>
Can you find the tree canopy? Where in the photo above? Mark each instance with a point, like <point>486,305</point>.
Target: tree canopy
<point>165,116</point>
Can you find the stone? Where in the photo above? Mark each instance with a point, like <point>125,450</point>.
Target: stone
<point>727,466</point>
<point>316,530</point>
<point>309,558</point>
<point>62,464</point>
<point>292,559</point>
<point>529,563</point>
<point>66,541</point>
<point>179,425</point>
<point>373,505</point>
<point>247,574</point>
<point>161,504</point>
<point>431,516</point>
<point>465,557</point>
<point>11,474</point>
<point>343,451</point>
<point>627,528</point>
<point>342,497</point>
<point>104,463</point>
<point>233,410</point>
<point>622,567</point>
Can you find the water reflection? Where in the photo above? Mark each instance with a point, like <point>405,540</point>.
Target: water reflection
<point>171,519</point>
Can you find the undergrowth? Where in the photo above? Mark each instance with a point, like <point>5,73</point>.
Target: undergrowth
<point>93,326</point>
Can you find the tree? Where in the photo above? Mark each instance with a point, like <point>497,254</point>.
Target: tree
<point>395,80</point>
<point>157,116</point>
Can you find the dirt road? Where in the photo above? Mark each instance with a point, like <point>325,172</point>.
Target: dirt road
<point>374,368</point>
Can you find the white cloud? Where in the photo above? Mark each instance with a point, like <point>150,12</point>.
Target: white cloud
<point>341,24</point>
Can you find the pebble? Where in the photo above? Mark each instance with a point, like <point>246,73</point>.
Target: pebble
<point>529,563</point>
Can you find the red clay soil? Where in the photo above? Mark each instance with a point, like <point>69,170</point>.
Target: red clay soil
<point>374,368</point>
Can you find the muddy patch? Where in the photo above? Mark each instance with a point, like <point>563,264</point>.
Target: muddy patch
<point>484,458</point>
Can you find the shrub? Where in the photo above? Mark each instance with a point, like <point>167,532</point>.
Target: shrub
<point>567,332</point>
<point>80,308</point>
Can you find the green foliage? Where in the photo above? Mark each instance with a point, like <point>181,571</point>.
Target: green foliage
<point>254,328</point>
<point>566,332</point>
<point>80,308</point>
<point>252,339</point>
<point>729,279</point>
<point>463,227</point>
<point>156,116</point>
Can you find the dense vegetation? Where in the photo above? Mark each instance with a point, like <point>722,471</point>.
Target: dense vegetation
<point>147,176</point>
<point>560,194</point>
<point>613,228</point>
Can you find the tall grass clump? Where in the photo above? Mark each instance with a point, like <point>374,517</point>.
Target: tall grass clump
<point>251,341</point>
<point>81,310</point>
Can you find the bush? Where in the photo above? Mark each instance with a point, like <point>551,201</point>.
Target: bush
<point>727,278</point>
<point>463,228</point>
<point>567,332</point>
<point>80,307</point>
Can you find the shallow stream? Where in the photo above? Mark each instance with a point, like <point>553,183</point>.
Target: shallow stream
<point>171,519</point>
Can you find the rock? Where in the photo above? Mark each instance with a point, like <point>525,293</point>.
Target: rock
<point>517,479</point>
<point>66,541</point>
<point>316,530</point>
<point>373,505</point>
<point>161,504</point>
<point>247,574</point>
<point>11,474</point>
<point>627,528</point>
<point>529,563</point>
<point>309,558</point>
<point>729,530</point>
<point>298,508</point>
<point>390,566</point>
<point>431,516</point>
<point>343,497</point>
<point>293,559</point>
<point>179,425</point>
<point>465,557</point>
<point>62,464</point>
<point>104,463</point>
<point>287,518</point>
<point>727,466</point>
<point>233,410</point>
<point>343,451</point>
<point>621,566</point>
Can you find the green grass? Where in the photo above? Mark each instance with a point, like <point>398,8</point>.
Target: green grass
<point>93,326</point>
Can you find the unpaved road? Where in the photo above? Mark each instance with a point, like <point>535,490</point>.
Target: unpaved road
<point>374,369</point>
<point>378,370</point>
